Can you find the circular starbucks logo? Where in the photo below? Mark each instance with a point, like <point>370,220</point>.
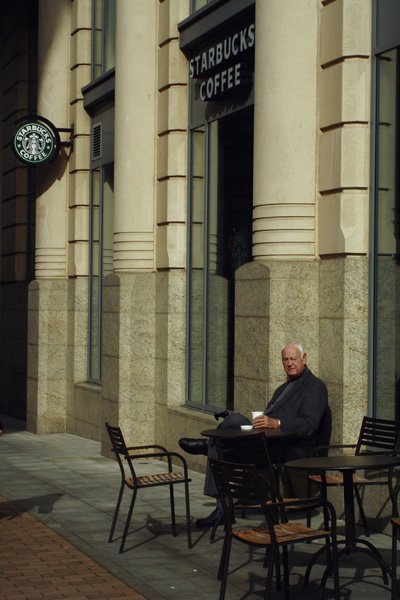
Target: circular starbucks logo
<point>33,143</point>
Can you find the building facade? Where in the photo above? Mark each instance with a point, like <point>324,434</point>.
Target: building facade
<point>226,183</point>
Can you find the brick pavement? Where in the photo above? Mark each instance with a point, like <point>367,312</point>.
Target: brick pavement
<point>36,564</point>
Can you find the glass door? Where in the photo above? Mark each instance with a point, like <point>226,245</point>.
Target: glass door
<point>220,241</point>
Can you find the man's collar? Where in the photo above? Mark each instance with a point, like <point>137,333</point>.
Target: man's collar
<point>305,370</point>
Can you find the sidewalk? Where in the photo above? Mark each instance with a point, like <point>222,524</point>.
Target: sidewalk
<point>57,500</point>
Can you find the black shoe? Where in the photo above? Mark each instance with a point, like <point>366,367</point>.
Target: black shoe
<point>193,446</point>
<point>216,517</point>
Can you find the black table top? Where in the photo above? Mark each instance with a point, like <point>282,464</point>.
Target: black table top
<point>344,462</point>
<point>232,433</point>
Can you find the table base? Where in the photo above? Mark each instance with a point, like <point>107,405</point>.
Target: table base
<point>370,550</point>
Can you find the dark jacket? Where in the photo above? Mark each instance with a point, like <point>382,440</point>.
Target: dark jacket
<point>302,410</point>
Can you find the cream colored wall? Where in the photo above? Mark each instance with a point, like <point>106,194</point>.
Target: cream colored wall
<point>285,132</point>
<point>135,135</point>
<point>144,312</point>
<point>57,315</point>
<point>172,120</point>
<point>344,152</point>
<point>343,207</point>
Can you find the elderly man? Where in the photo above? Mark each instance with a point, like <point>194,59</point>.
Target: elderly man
<point>299,404</point>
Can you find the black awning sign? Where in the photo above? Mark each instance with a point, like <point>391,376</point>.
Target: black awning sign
<point>34,142</point>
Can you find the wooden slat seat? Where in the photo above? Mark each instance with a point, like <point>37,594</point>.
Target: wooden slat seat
<point>158,479</point>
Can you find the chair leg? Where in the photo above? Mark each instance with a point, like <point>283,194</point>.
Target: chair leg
<point>285,573</point>
<point>172,502</point>
<point>394,563</point>
<point>309,492</point>
<point>267,559</point>
<point>128,521</point>
<point>114,521</point>
<point>215,527</point>
<point>222,559</point>
<point>360,508</point>
<point>273,559</point>
<point>335,569</point>
<point>188,524</point>
<point>225,564</point>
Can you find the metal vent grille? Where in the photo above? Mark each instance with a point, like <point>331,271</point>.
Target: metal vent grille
<point>96,141</point>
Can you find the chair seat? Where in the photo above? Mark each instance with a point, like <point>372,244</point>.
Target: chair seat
<point>396,521</point>
<point>285,533</point>
<point>157,479</point>
<point>338,479</point>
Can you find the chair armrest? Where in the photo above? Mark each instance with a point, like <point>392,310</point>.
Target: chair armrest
<point>316,450</point>
<point>308,502</point>
<point>165,454</point>
<point>147,447</point>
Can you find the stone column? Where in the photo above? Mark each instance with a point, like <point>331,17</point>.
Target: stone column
<point>135,132</point>
<point>285,129</point>
<point>47,315</point>
<point>129,303</point>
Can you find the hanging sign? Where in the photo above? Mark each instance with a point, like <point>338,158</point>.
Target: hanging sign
<point>37,140</point>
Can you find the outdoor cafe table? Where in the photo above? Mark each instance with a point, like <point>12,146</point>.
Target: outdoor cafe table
<point>347,465</point>
<point>220,432</point>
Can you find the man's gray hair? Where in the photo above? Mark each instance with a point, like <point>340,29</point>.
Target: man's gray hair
<point>298,346</point>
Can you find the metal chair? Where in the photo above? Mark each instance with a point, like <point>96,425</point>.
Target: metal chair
<point>125,456</point>
<point>254,450</point>
<point>377,436</point>
<point>244,483</point>
<point>395,531</point>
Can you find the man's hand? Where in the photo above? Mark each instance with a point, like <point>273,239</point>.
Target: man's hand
<point>263,421</point>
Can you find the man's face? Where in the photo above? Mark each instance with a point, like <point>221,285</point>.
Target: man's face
<point>292,361</point>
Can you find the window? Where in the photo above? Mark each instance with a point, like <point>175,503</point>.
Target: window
<point>103,36</point>
<point>386,369</point>
<point>220,240</point>
<point>99,102</point>
<point>100,239</point>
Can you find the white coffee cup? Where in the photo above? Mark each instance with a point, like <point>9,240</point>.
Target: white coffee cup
<point>256,413</point>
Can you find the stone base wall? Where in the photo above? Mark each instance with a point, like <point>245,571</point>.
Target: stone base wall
<point>144,335</point>
<point>276,302</point>
<point>343,342</point>
<point>57,356</point>
<point>47,356</point>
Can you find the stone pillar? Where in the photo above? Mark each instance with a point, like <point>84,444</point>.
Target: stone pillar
<point>47,316</point>
<point>343,210</point>
<point>128,357</point>
<point>135,130</point>
<point>285,129</point>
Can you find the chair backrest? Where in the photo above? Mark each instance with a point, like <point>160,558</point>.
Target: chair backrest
<point>119,448</point>
<point>324,431</point>
<point>248,450</point>
<point>395,501</point>
<point>117,440</point>
<point>379,436</point>
<point>242,483</point>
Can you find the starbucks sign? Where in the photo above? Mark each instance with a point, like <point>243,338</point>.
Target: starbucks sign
<point>34,142</point>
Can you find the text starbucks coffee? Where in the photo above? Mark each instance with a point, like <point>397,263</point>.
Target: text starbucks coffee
<point>217,55</point>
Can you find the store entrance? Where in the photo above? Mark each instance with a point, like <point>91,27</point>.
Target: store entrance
<point>229,243</point>
<point>220,241</point>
